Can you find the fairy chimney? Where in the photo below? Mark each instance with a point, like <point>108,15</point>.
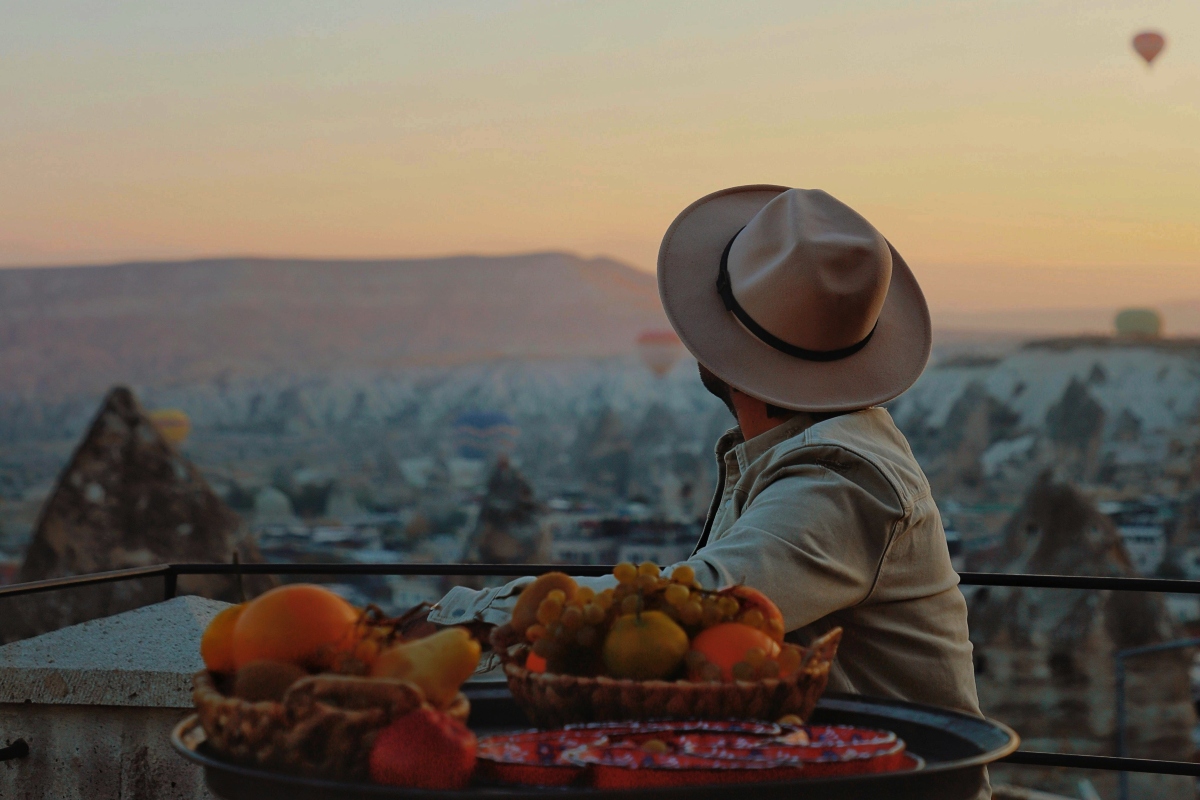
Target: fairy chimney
<point>508,530</point>
<point>1044,657</point>
<point>126,499</point>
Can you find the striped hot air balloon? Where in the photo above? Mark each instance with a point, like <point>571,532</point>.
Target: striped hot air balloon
<point>484,434</point>
<point>172,424</point>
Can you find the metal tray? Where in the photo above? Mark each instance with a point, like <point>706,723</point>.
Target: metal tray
<point>955,748</point>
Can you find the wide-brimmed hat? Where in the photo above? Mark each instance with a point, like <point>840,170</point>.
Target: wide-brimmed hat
<point>790,296</point>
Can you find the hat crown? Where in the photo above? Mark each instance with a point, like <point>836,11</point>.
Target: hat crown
<point>811,271</point>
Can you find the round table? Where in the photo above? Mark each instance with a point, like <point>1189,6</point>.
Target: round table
<point>955,748</point>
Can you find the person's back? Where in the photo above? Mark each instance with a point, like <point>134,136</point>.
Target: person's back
<point>875,562</point>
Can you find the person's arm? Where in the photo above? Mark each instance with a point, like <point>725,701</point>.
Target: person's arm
<point>812,540</point>
<point>492,606</point>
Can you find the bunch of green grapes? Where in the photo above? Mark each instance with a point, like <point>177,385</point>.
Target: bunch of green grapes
<point>571,629</point>
<point>570,632</point>
<point>679,596</point>
<point>639,588</point>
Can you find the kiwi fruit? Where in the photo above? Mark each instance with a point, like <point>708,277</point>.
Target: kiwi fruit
<point>263,680</point>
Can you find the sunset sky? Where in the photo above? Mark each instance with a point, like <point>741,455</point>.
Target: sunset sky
<point>1017,153</point>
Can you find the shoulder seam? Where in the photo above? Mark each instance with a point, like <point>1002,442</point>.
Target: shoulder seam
<point>868,459</point>
<point>905,508</point>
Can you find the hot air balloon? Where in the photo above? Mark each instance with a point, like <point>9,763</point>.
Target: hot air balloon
<point>1148,45</point>
<point>172,424</point>
<point>659,349</point>
<point>483,434</point>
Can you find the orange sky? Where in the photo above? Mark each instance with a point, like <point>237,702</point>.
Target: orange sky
<point>1017,153</point>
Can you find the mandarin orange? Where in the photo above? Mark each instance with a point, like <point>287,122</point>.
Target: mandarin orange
<point>299,623</point>
<point>726,644</point>
<point>216,645</point>
<point>753,599</point>
<point>644,646</point>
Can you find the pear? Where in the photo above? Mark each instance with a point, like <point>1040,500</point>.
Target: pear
<point>438,664</point>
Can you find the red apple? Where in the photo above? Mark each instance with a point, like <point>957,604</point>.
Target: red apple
<point>425,749</point>
<point>753,598</point>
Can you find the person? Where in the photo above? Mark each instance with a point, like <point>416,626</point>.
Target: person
<point>804,320</point>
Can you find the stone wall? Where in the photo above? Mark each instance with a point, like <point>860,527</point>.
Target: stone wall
<point>96,703</point>
<point>96,753</point>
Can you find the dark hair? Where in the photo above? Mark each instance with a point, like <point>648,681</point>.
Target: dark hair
<point>720,388</point>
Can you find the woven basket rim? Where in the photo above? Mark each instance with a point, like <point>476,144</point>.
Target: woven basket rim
<point>518,671</point>
<point>205,684</point>
<point>818,657</point>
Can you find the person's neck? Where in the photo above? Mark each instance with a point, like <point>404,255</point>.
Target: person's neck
<point>752,415</point>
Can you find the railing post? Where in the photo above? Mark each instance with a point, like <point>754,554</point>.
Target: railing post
<point>1119,675</point>
<point>170,582</point>
<point>1122,742</point>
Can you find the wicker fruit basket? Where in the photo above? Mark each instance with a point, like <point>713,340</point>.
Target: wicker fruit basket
<point>324,726</point>
<point>551,700</point>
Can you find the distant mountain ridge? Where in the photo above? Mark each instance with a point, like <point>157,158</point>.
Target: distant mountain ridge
<point>1180,318</point>
<point>85,328</point>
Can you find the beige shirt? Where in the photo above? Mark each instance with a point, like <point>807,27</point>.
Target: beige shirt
<point>834,521</point>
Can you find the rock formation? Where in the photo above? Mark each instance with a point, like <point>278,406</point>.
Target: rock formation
<point>603,454</point>
<point>1075,425</point>
<point>1044,657</point>
<point>952,454</point>
<point>125,499</point>
<point>508,530</point>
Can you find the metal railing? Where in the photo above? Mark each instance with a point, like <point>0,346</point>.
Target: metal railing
<point>169,573</point>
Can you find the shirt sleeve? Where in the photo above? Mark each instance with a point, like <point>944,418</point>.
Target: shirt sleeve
<point>493,606</point>
<point>812,540</point>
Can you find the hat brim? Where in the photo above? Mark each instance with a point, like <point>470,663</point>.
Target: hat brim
<point>688,262</point>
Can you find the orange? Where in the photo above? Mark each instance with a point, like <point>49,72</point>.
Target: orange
<point>535,663</point>
<point>300,623</point>
<point>645,647</point>
<point>726,644</point>
<point>754,599</point>
<point>216,645</point>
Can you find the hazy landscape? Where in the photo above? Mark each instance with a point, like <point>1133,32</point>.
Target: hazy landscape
<point>373,284</point>
<point>499,408</point>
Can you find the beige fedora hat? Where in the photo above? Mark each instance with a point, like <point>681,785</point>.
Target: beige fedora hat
<point>792,297</point>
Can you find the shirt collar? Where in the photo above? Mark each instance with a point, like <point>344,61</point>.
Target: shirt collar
<point>729,440</point>
<point>748,451</point>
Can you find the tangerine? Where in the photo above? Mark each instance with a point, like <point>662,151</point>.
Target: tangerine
<point>216,645</point>
<point>727,644</point>
<point>644,646</point>
<point>535,663</point>
<point>299,623</point>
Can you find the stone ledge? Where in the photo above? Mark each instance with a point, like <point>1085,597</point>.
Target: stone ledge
<point>144,657</point>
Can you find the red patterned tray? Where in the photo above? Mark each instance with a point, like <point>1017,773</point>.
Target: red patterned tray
<point>639,755</point>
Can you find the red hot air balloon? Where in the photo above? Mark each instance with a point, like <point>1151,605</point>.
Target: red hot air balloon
<point>1148,45</point>
<point>659,350</point>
